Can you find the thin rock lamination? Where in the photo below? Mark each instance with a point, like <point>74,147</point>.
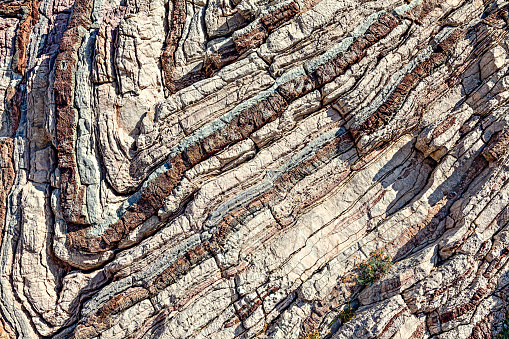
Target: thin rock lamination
<point>219,169</point>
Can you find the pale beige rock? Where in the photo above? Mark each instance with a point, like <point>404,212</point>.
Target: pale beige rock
<point>220,169</point>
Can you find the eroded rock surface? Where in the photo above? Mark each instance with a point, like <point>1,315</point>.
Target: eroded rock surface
<point>220,168</point>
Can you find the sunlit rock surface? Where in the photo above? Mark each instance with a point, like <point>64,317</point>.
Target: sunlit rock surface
<point>221,168</point>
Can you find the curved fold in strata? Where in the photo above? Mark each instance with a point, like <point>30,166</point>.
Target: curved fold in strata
<point>219,169</point>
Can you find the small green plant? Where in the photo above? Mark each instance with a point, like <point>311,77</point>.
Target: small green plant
<point>504,333</point>
<point>346,314</point>
<point>374,268</point>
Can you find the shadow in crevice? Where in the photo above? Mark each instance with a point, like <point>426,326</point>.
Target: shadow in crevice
<point>470,173</point>
<point>406,173</point>
<point>440,202</point>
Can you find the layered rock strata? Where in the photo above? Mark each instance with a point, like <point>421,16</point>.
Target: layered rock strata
<point>220,169</point>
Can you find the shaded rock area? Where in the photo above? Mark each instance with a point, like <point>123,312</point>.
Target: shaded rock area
<point>228,168</point>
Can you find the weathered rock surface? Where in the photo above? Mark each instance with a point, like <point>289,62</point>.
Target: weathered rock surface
<point>219,169</point>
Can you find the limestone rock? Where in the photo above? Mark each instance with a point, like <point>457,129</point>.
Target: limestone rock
<point>226,169</point>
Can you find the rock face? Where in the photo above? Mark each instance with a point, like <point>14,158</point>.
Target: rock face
<point>220,169</point>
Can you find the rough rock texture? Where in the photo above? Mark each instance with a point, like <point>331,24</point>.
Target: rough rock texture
<point>220,168</point>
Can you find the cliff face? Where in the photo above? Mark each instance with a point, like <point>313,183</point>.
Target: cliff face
<point>254,168</point>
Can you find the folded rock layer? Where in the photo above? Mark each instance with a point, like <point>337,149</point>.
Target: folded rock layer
<point>254,169</point>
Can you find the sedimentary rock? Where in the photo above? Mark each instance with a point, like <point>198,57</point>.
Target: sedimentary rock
<point>220,169</point>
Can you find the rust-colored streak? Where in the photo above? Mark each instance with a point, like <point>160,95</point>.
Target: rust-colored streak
<point>178,19</point>
<point>28,13</point>
<point>6,176</point>
<point>497,146</point>
<point>443,127</point>
<point>238,129</point>
<point>72,193</point>
<point>383,114</point>
<point>251,39</point>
